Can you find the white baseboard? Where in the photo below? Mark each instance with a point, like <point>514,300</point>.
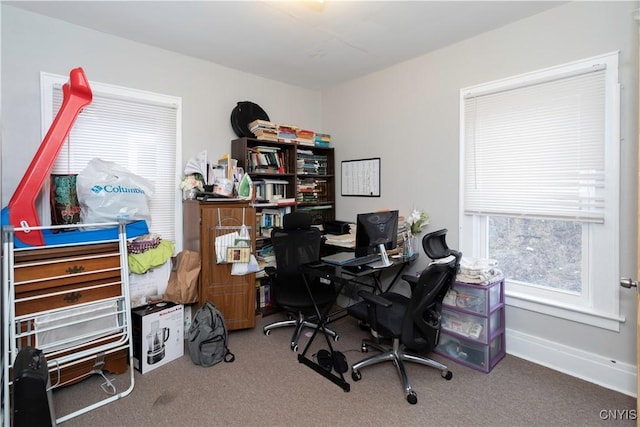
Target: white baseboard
<point>587,366</point>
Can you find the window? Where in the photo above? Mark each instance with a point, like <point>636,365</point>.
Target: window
<point>137,130</point>
<point>540,186</point>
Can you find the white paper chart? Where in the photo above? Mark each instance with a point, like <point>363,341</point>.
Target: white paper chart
<point>361,177</point>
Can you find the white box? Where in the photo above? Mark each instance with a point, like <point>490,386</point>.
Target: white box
<point>158,333</point>
<point>150,286</point>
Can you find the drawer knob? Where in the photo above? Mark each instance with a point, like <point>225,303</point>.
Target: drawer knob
<point>73,297</point>
<point>75,269</point>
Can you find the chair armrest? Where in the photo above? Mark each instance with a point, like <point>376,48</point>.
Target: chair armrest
<point>374,299</point>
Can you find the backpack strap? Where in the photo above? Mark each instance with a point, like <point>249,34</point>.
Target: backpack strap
<point>228,356</point>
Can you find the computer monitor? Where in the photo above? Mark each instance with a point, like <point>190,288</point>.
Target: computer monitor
<point>376,232</point>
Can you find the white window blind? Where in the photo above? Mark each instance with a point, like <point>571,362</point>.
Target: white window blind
<point>134,129</point>
<point>537,149</point>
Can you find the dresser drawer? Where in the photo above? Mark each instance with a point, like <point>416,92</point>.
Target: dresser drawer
<point>32,301</point>
<point>49,273</point>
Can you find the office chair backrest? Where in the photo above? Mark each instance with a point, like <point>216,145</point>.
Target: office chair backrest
<point>295,243</point>
<point>295,220</point>
<point>435,244</point>
<point>421,325</point>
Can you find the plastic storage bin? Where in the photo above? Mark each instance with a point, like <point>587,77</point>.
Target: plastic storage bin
<point>473,325</point>
<point>479,299</point>
<point>476,328</point>
<point>478,356</point>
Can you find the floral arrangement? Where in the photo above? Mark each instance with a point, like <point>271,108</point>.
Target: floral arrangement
<point>417,221</point>
<point>191,182</point>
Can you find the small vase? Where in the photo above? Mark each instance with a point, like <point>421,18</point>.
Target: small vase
<point>189,194</point>
<point>413,242</point>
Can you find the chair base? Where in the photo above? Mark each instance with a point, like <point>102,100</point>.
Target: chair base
<point>397,354</point>
<point>299,324</point>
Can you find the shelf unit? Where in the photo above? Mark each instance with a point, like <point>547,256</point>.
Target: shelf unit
<point>473,325</point>
<point>72,302</point>
<point>309,173</point>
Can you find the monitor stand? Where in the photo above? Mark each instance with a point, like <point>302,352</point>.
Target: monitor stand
<point>384,261</point>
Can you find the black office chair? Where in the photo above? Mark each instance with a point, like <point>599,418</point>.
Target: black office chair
<point>411,325</point>
<point>294,244</point>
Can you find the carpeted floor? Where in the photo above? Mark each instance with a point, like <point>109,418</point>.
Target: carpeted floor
<point>267,386</point>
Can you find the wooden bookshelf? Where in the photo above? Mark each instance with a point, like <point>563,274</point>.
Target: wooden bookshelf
<point>309,173</point>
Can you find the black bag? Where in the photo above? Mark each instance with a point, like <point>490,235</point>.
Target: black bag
<point>208,337</point>
<point>32,404</point>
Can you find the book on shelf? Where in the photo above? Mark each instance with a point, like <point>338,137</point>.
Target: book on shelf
<point>270,217</point>
<point>266,135</point>
<point>286,201</point>
<point>264,124</point>
<point>265,159</point>
<point>322,138</point>
<point>271,190</point>
<point>310,163</point>
<point>305,136</point>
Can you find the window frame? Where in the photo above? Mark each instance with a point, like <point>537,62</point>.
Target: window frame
<point>599,305</point>
<point>48,81</point>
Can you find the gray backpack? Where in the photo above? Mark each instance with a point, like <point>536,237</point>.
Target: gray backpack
<point>208,337</point>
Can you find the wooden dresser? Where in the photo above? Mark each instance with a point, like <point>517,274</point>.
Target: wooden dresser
<point>234,295</point>
<point>52,286</point>
<point>72,302</point>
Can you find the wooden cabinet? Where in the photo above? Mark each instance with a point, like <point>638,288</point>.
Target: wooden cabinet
<point>234,295</point>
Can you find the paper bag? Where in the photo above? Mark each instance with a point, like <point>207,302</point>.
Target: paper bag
<point>183,280</point>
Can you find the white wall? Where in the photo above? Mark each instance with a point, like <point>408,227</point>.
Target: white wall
<point>32,43</point>
<point>408,115</point>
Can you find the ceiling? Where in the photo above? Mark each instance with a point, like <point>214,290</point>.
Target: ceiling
<point>310,44</point>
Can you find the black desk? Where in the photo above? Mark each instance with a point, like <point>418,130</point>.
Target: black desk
<point>341,275</point>
<point>357,273</point>
<point>324,272</point>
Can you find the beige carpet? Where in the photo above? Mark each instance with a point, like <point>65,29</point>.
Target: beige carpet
<point>267,386</point>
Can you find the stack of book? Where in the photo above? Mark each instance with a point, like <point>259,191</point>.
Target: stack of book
<point>264,130</point>
<point>305,137</point>
<point>308,163</point>
<point>287,133</point>
<point>307,191</point>
<point>322,140</point>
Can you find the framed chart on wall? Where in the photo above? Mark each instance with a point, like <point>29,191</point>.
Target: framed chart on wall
<point>361,177</point>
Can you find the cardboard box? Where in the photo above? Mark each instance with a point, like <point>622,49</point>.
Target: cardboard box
<point>158,333</point>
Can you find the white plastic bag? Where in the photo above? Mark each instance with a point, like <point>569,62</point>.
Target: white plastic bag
<point>108,192</point>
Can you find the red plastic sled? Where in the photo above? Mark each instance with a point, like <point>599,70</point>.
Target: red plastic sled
<point>22,211</point>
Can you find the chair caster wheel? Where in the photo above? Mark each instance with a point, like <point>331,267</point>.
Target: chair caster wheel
<point>448,375</point>
<point>356,375</point>
<point>267,332</point>
<point>294,347</point>
<point>412,398</point>
<point>364,348</point>
<point>336,338</point>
